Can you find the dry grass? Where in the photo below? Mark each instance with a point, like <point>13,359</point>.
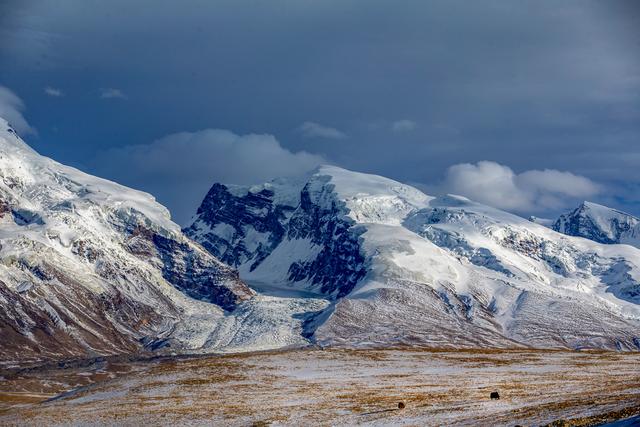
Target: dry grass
<point>340,386</point>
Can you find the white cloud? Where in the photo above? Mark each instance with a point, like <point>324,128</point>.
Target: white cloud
<point>180,168</point>
<point>52,91</point>
<point>531,191</point>
<point>108,93</point>
<point>404,125</point>
<point>316,130</point>
<point>11,108</point>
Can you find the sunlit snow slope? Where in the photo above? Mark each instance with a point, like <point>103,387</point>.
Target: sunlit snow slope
<point>401,267</point>
<point>89,267</point>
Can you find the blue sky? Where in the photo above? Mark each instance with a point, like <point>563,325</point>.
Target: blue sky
<point>530,106</point>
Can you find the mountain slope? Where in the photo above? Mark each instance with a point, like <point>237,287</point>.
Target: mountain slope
<point>600,224</point>
<point>401,267</point>
<point>89,267</point>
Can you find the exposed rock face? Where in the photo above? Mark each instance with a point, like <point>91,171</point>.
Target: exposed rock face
<point>244,226</point>
<point>197,276</point>
<point>600,224</point>
<point>339,264</point>
<point>89,267</point>
<point>238,217</point>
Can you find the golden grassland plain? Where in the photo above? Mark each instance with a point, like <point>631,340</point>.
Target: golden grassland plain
<point>332,387</point>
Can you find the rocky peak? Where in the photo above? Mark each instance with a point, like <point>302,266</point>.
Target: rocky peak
<point>601,224</point>
<point>239,228</point>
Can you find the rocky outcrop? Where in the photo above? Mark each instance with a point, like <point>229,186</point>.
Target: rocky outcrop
<point>600,224</point>
<point>245,226</point>
<point>340,263</point>
<point>225,224</point>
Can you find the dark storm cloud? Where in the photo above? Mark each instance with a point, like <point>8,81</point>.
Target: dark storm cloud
<point>417,86</point>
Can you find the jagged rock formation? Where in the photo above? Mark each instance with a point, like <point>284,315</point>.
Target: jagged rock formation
<point>220,207</point>
<point>246,228</point>
<point>600,224</point>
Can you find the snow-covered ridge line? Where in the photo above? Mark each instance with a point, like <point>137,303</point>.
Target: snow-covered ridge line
<point>408,268</point>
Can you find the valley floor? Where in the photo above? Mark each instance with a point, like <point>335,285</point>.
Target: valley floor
<point>331,387</point>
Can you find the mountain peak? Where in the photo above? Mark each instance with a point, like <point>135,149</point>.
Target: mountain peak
<point>10,141</point>
<point>604,209</point>
<point>600,223</point>
<point>358,189</point>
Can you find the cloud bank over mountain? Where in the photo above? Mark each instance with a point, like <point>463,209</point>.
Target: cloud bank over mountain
<point>11,109</point>
<point>179,168</point>
<point>530,191</point>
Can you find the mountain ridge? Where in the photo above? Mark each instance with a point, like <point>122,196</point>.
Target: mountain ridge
<point>434,271</point>
<point>332,258</point>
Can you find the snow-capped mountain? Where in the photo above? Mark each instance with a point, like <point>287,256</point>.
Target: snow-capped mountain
<point>89,267</point>
<point>600,224</point>
<point>401,267</point>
